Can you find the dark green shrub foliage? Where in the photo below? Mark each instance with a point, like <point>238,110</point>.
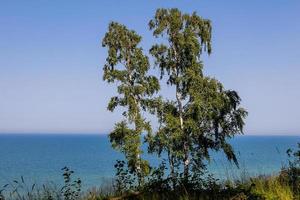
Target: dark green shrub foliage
<point>124,180</point>
<point>71,189</point>
<point>291,173</point>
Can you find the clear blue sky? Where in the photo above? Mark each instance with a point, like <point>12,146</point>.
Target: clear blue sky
<point>51,60</point>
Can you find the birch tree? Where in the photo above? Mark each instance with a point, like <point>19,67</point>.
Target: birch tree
<point>202,114</point>
<point>127,67</point>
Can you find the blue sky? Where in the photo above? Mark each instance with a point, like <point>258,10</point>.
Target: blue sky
<point>51,61</point>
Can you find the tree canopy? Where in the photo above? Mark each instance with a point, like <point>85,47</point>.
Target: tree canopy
<point>202,114</point>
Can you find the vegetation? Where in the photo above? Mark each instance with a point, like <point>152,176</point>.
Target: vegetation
<point>127,65</point>
<point>291,173</point>
<point>257,188</point>
<point>201,116</point>
<point>20,190</point>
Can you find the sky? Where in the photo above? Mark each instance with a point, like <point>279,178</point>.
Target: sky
<point>51,61</point>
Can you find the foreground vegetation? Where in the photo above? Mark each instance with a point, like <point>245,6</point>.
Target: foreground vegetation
<point>257,188</point>
<point>284,186</point>
<point>200,116</point>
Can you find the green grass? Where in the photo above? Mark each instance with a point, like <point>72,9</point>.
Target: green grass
<point>284,186</point>
<point>257,188</point>
<point>272,189</point>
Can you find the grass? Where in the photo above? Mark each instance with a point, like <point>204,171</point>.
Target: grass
<point>256,188</point>
<point>271,188</point>
<point>284,186</point>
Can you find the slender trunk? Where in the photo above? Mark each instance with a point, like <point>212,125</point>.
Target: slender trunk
<point>138,168</point>
<point>178,97</point>
<point>186,160</point>
<point>138,156</point>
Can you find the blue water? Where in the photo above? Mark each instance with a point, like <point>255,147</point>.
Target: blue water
<point>39,158</point>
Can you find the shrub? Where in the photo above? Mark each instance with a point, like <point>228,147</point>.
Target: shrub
<point>291,173</point>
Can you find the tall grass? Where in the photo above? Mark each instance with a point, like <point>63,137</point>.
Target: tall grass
<point>283,186</point>
<point>257,188</point>
<point>272,189</point>
<point>20,190</point>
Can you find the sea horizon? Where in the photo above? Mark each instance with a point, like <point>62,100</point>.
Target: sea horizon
<point>100,133</point>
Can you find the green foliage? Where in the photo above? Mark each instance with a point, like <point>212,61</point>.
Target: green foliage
<point>291,173</point>
<point>208,188</point>
<point>124,181</point>
<point>128,66</point>
<point>201,116</point>
<point>71,189</point>
<point>204,114</point>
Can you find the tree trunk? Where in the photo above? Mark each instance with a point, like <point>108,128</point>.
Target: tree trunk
<point>138,156</point>
<point>186,160</point>
<point>138,169</point>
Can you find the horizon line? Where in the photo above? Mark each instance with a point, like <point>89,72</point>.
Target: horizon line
<point>102,133</point>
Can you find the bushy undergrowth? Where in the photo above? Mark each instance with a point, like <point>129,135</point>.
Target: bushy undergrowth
<point>258,188</point>
<point>284,186</point>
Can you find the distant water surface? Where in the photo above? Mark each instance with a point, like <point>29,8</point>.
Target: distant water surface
<point>39,158</point>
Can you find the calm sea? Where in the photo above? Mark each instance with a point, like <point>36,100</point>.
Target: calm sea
<point>39,158</point>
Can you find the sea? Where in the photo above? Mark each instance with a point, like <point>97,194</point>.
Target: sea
<point>39,158</point>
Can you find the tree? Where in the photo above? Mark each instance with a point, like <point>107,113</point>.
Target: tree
<point>127,66</point>
<point>202,115</point>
